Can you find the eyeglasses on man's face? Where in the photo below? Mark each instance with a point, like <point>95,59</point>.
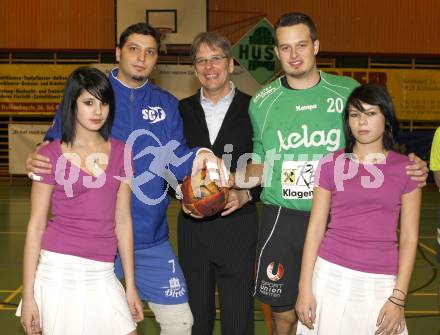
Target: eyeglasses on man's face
<point>214,60</point>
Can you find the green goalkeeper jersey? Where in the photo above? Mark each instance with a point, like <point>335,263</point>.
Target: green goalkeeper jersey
<point>293,129</point>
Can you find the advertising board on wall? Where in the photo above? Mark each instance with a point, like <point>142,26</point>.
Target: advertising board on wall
<point>30,89</point>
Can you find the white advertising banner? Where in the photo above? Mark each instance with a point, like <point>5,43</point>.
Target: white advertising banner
<point>22,141</point>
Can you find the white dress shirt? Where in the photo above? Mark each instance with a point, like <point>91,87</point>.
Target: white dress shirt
<point>215,113</point>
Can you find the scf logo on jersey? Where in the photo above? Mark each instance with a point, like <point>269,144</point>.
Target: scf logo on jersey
<point>153,114</point>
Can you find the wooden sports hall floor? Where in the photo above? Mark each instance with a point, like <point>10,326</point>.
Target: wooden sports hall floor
<point>423,316</point>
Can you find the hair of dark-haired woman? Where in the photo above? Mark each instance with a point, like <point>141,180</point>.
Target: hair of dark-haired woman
<point>377,95</point>
<point>97,84</point>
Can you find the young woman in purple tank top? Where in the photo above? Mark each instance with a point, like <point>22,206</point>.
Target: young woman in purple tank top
<point>355,272</point>
<point>69,285</point>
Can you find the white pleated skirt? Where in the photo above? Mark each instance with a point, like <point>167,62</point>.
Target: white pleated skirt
<point>348,301</point>
<point>78,296</point>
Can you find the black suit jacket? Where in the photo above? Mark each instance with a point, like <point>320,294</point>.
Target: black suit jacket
<point>236,129</point>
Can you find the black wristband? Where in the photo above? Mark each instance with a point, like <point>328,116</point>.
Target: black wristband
<point>396,289</point>
<point>395,303</point>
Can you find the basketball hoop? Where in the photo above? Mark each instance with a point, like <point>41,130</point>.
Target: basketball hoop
<point>164,32</point>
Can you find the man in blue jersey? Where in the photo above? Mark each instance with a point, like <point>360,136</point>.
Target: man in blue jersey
<point>148,119</point>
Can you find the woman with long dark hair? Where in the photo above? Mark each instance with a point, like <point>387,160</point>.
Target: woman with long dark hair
<point>355,272</point>
<point>69,285</point>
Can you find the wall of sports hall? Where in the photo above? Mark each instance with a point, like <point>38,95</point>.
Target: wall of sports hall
<point>394,43</point>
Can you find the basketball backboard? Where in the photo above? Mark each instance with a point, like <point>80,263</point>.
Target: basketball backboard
<point>185,18</point>
<point>162,18</point>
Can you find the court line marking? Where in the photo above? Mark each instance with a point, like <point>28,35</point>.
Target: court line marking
<point>424,246</point>
<point>422,294</point>
<point>8,308</point>
<point>12,232</point>
<point>423,312</point>
<point>12,296</point>
<point>149,311</point>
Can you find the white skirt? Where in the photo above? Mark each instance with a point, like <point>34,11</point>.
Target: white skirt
<point>348,301</point>
<point>79,296</point>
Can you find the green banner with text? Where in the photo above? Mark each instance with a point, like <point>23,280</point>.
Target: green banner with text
<point>255,52</point>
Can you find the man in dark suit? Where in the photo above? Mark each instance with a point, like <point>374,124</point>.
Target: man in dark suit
<point>221,249</point>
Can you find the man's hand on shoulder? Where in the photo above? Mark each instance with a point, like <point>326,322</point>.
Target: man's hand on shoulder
<point>418,170</point>
<point>38,164</point>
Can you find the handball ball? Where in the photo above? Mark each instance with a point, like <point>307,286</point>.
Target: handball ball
<point>209,201</point>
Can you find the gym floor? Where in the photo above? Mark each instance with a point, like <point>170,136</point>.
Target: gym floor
<point>422,312</point>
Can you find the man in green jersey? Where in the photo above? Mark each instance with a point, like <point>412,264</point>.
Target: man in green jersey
<point>296,120</point>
